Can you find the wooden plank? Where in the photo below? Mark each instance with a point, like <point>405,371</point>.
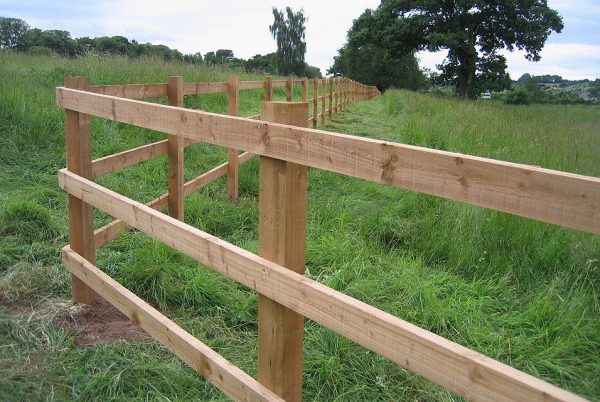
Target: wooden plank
<point>268,88</point>
<point>304,89</point>
<point>232,153</point>
<point>323,101</point>
<point>250,85</point>
<point>279,83</point>
<point>255,117</point>
<point>461,370</point>
<point>561,198</point>
<point>78,139</point>
<point>132,91</point>
<point>289,87</point>
<point>315,101</point>
<point>336,81</point>
<point>330,110</point>
<point>115,162</point>
<point>282,239</point>
<point>175,145</point>
<point>192,88</point>
<point>235,383</point>
<point>114,229</point>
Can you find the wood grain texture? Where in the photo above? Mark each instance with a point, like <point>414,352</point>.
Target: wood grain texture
<point>323,101</point>
<point>461,370</point>
<point>282,239</point>
<point>121,160</point>
<point>235,383</point>
<point>175,146</point>
<point>561,198</point>
<point>192,88</point>
<point>243,85</point>
<point>132,91</point>
<point>232,153</point>
<point>78,139</point>
<point>268,88</point>
<point>315,102</point>
<point>289,87</point>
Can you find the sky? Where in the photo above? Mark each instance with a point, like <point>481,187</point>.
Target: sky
<point>243,26</point>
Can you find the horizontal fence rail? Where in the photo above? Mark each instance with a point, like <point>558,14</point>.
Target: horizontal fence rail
<point>551,196</point>
<point>286,151</point>
<point>461,370</point>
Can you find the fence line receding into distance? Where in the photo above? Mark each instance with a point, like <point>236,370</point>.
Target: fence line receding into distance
<point>287,147</point>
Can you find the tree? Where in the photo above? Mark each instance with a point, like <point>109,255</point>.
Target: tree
<point>364,58</point>
<point>289,33</point>
<point>12,31</point>
<point>473,32</point>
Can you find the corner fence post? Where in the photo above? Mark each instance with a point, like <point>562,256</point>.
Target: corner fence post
<point>175,153</point>
<point>336,81</point>
<point>81,215</point>
<point>233,99</point>
<point>282,239</point>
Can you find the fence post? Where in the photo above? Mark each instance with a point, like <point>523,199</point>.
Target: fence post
<point>330,97</point>
<point>315,101</point>
<point>268,88</point>
<point>282,239</point>
<point>289,84</point>
<point>323,100</point>
<point>175,153</point>
<point>304,89</point>
<point>81,215</point>
<point>232,154</point>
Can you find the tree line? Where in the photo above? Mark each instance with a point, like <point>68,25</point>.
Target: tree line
<point>381,44</point>
<point>17,35</point>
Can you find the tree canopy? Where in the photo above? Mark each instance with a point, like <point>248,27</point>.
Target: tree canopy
<point>473,32</point>
<point>364,59</point>
<point>289,32</point>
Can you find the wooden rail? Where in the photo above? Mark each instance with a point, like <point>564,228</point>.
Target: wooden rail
<point>286,295</point>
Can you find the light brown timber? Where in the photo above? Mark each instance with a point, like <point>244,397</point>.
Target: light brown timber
<point>115,162</point>
<point>460,370</point>
<point>330,98</point>
<point>268,88</point>
<point>305,89</point>
<point>131,91</point>
<point>175,145</point>
<point>315,102</point>
<point>192,88</point>
<point>561,198</point>
<point>289,86</point>
<point>78,138</point>
<point>282,239</point>
<point>323,101</point>
<point>235,383</point>
<point>232,153</point>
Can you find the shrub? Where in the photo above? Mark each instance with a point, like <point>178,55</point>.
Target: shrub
<point>518,96</point>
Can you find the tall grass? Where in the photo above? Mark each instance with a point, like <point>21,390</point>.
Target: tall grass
<point>519,291</point>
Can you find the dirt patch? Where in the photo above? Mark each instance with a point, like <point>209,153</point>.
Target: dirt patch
<point>99,323</point>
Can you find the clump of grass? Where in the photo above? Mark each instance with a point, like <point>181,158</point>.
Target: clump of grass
<point>28,220</point>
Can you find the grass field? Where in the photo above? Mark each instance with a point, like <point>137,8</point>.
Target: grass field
<point>519,291</point>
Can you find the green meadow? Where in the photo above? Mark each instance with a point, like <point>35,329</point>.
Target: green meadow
<point>519,291</point>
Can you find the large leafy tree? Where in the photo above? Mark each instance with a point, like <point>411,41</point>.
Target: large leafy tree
<point>12,31</point>
<point>364,58</point>
<point>473,32</point>
<point>289,32</point>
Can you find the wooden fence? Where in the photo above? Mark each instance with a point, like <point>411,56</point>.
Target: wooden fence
<point>287,148</point>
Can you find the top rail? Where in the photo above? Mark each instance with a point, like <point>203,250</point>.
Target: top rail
<point>566,199</point>
<point>132,91</point>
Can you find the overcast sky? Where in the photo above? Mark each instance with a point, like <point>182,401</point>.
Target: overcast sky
<point>242,25</point>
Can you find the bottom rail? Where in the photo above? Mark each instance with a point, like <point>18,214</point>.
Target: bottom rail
<point>234,382</point>
<point>455,367</point>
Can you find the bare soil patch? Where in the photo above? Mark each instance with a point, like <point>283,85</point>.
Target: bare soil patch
<point>99,323</point>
